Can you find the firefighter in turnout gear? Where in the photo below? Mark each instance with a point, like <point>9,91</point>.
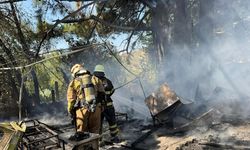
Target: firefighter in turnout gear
<point>84,95</point>
<point>109,111</point>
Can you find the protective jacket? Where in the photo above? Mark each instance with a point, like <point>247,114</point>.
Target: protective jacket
<point>109,89</point>
<point>76,93</point>
<point>109,111</point>
<point>85,119</point>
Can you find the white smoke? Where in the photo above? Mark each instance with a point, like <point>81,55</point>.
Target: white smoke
<point>218,62</point>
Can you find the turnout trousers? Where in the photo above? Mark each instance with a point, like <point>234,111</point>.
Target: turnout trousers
<point>88,121</point>
<point>109,115</point>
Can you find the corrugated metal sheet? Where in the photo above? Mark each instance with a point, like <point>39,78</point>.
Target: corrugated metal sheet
<point>160,100</point>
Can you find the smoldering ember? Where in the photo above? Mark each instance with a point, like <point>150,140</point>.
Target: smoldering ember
<point>124,74</point>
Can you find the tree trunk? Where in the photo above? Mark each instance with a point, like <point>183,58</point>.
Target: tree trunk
<point>21,37</point>
<point>36,87</point>
<point>181,31</point>
<point>205,25</point>
<point>9,92</point>
<point>65,77</point>
<point>16,72</point>
<point>172,26</point>
<point>162,30</point>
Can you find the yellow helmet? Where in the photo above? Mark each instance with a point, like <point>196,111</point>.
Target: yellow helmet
<point>75,69</point>
<point>99,68</point>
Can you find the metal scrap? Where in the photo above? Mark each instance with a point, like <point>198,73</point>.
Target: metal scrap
<point>39,136</point>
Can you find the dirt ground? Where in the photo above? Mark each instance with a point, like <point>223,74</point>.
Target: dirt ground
<point>221,135</point>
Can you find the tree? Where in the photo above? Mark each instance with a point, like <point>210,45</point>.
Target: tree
<point>182,31</point>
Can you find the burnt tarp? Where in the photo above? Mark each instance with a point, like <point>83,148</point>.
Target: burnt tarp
<point>162,103</point>
<point>166,106</point>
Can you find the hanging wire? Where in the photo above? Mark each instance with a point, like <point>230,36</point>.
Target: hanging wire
<point>126,83</point>
<point>137,76</point>
<point>49,58</point>
<point>112,53</point>
<point>142,88</point>
<point>58,78</point>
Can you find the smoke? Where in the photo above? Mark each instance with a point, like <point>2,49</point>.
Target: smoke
<point>219,59</point>
<point>59,119</point>
<point>127,98</point>
<point>215,66</point>
<point>134,107</point>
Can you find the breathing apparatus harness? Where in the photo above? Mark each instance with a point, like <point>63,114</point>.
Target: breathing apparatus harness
<point>87,90</point>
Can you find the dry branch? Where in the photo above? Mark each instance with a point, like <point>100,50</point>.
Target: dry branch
<point>20,32</point>
<point>126,28</point>
<point>58,22</point>
<point>11,1</point>
<point>46,59</point>
<point>131,35</point>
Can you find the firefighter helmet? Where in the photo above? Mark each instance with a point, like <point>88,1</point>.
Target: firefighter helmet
<point>99,68</point>
<point>75,69</point>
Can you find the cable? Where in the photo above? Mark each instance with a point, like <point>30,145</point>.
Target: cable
<point>52,73</point>
<point>126,83</point>
<point>45,53</point>
<point>119,60</point>
<point>64,54</point>
<point>142,89</point>
<point>137,76</point>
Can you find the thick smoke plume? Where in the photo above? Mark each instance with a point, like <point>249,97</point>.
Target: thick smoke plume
<point>217,67</point>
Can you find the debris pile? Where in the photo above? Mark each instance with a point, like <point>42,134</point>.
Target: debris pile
<point>178,124</point>
<point>39,136</point>
<point>196,125</point>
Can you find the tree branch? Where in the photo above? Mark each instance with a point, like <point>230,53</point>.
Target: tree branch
<point>150,4</point>
<point>8,52</point>
<point>126,28</point>
<point>58,22</point>
<point>20,33</point>
<point>11,1</point>
<point>95,24</point>
<point>131,35</point>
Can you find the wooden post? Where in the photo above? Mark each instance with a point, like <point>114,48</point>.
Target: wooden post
<point>56,91</point>
<point>20,97</point>
<point>132,107</point>
<point>53,95</point>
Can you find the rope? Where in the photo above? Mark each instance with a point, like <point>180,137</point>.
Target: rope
<point>43,60</point>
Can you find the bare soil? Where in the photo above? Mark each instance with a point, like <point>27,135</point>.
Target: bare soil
<point>216,136</point>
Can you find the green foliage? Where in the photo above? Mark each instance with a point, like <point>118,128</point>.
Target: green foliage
<point>47,74</point>
<point>45,94</point>
<point>34,27</point>
<point>147,39</point>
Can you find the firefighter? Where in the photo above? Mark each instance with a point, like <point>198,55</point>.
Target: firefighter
<point>109,111</point>
<point>84,95</point>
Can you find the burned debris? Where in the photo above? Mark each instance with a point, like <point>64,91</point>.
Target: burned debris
<point>178,124</point>
<point>184,125</point>
<point>167,107</point>
<point>39,136</point>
